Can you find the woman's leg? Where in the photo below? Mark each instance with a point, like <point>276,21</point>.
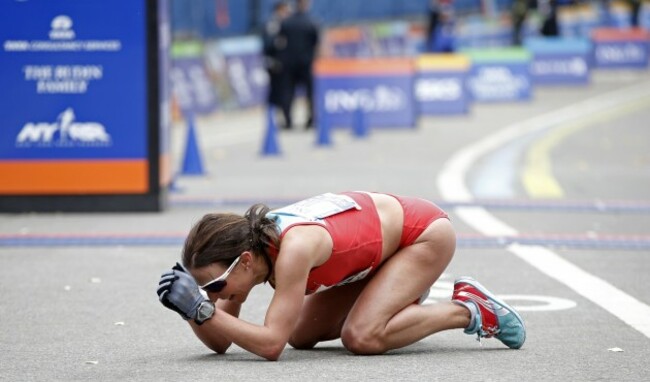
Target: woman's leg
<point>323,315</point>
<point>384,316</point>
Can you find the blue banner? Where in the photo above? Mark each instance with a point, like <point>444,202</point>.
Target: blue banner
<point>191,86</point>
<point>496,82</point>
<point>387,101</point>
<point>621,54</point>
<point>73,79</point>
<point>559,60</point>
<point>442,93</point>
<point>561,69</point>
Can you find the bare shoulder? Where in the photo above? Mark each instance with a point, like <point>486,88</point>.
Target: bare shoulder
<point>312,242</point>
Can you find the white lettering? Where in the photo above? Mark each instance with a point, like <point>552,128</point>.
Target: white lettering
<point>37,72</point>
<point>61,87</point>
<point>63,46</point>
<point>497,83</point>
<point>575,67</point>
<point>16,46</point>
<point>619,53</point>
<point>381,98</point>
<point>88,132</point>
<point>70,132</point>
<point>443,89</point>
<point>37,132</point>
<point>63,79</point>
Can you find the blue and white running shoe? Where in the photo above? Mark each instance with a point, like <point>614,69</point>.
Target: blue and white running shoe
<point>493,317</point>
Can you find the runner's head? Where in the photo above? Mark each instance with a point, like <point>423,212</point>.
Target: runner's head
<point>221,238</point>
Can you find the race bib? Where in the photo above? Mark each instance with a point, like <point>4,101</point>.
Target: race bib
<point>319,207</point>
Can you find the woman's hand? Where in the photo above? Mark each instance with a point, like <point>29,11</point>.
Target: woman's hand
<point>178,291</point>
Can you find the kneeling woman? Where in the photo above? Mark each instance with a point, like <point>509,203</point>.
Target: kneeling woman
<point>354,266</point>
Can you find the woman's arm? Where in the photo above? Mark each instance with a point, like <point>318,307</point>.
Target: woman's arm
<point>302,249</point>
<point>266,340</point>
<point>211,338</point>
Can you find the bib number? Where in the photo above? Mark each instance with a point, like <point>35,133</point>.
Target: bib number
<point>319,207</point>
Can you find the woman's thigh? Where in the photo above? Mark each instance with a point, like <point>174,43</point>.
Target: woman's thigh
<point>323,315</point>
<point>402,279</point>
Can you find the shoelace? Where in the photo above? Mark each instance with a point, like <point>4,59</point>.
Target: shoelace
<point>489,333</point>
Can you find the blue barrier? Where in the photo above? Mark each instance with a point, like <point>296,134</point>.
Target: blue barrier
<point>559,60</point>
<point>440,84</point>
<point>621,48</point>
<point>383,88</point>
<point>499,74</point>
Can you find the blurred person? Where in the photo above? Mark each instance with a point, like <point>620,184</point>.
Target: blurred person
<point>550,27</point>
<point>635,10</point>
<point>519,13</point>
<point>440,26</point>
<point>272,45</point>
<point>301,34</point>
<point>354,265</point>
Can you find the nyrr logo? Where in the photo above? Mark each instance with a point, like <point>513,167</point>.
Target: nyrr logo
<point>620,53</point>
<point>62,28</point>
<point>65,132</point>
<point>381,98</point>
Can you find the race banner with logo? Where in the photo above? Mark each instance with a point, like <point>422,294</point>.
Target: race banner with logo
<point>559,61</point>
<point>239,66</point>
<point>381,88</point>
<point>191,85</point>
<point>75,111</point>
<point>499,74</point>
<point>440,84</point>
<point>621,48</point>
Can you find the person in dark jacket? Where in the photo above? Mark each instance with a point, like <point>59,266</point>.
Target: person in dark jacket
<point>273,44</point>
<point>550,27</point>
<point>635,10</point>
<point>301,35</point>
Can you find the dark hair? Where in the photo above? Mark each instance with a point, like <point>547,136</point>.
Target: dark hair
<point>221,237</point>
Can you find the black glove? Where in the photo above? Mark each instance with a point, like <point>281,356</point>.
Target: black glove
<point>178,291</point>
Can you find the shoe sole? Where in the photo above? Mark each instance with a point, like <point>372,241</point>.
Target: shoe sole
<point>480,287</point>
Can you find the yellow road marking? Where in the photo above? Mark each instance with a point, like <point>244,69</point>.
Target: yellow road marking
<point>537,176</point>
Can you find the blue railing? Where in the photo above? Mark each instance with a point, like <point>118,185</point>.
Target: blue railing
<point>225,18</point>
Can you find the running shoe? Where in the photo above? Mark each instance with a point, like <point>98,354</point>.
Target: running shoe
<point>493,317</point>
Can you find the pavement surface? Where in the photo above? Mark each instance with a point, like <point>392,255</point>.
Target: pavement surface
<point>550,199</point>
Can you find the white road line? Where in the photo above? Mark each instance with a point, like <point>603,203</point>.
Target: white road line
<point>451,183</point>
<point>627,308</point>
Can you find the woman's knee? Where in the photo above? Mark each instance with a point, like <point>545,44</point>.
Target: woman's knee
<point>362,340</point>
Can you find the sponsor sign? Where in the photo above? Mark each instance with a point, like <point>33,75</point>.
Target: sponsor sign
<point>238,65</point>
<point>76,111</point>
<point>440,84</point>
<point>559,60</point>
<point>348,41</point>
<point>191,86</point>
<point>248,79</point>
<point>499,74</point>
<point>381,88</point>
<point>620,48</point>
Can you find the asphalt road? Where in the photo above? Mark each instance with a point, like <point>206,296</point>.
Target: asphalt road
<point>77,296</point>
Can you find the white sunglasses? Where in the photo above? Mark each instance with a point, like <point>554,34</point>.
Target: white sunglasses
<point>217,285</point>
